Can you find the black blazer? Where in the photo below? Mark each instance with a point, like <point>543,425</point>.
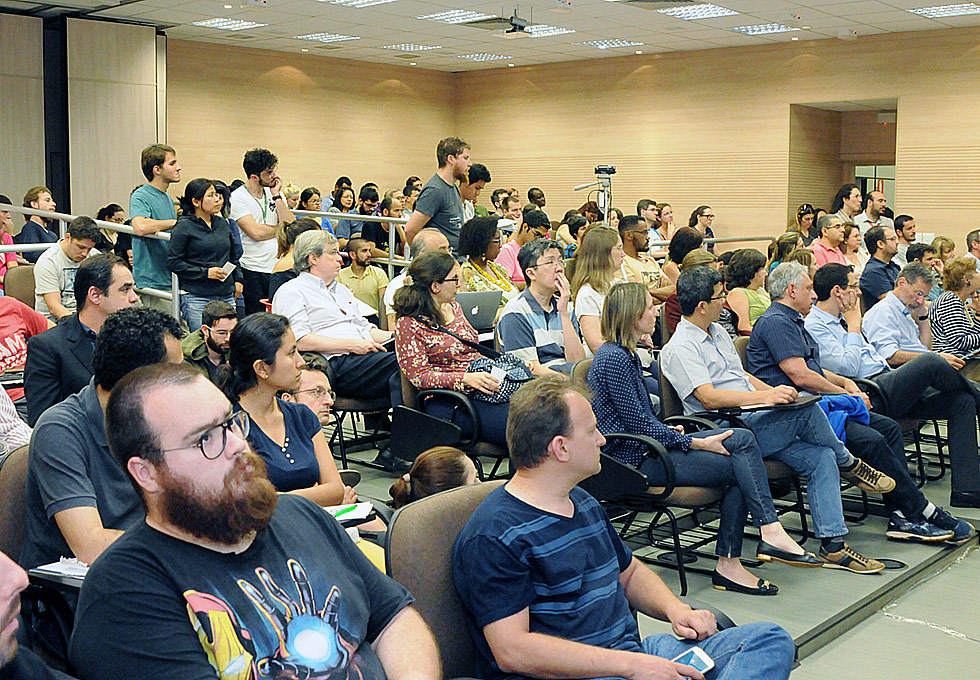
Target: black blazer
<point>59,364</point>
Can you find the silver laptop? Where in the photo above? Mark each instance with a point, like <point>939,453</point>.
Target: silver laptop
<point>480,307</point>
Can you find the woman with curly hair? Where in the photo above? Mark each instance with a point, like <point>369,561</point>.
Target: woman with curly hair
<point>747,294</point>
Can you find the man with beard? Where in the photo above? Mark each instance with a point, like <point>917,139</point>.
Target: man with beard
<point>225,577</point>
<point>78,500</point>
<point>639,266</point>
<point>366,281</point>
<point>440,205</point>
<point>207,348</point>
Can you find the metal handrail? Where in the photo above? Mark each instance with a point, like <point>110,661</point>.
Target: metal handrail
<point>173,294</point>
<point>723,239</point>
<point>391,262</point>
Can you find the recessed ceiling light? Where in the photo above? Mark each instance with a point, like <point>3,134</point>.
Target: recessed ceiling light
<point>228,6</point>
<point>483,56</point>
<point>639,51</point>
<point>697,12</point>
<point>326,37</point>
<point>411,47</point>
<point>228,24</point>
<point>610,44</point>
<point>411,63</point>
<point>456,16</point>
<point>795,37</point>
<point>359,3</point>
<point>544,30</point>
<point>940,11</point>
<point>510,65</point>
<point>763,29</point>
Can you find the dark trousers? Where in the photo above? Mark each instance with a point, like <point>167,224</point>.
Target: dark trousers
<point>928,387</point>
<point>367,375</point>
<point>255,287</point>
<point>880,445</point>
<point>493,418</point>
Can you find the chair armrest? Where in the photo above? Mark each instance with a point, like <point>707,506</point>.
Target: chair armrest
<point>706,420</point>
<point>874,392</point>
<point>656,452</point>
<point>460,400</point>
<point>724,621</point>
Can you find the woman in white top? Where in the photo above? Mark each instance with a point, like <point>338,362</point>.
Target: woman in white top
<point>598,264</point>
<point>851,247</point>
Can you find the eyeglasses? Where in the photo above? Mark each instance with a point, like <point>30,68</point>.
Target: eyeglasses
<point>547,263</point>
<point>496,240</point>
<point>454,279</point>
<point>719,297</point>
<point>319,392</point>
<point>708,216</point>
<point>210,444</point>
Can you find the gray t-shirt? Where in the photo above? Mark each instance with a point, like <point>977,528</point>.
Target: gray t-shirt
<point>55,273</point>
<point>444,205</point>
<point>70,466</point>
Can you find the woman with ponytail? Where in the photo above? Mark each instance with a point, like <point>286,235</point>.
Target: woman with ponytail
<point>200,247</point>
<point>439,469</point>
<point>429,335</point>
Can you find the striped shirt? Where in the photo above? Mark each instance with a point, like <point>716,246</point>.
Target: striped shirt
<point>530,333</point>
<point>512,556</point>
<point>952,330</point>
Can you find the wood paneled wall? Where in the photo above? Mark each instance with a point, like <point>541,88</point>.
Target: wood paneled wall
<point>814,157</point>
<point>322,117</point>
<point>112,109</point>
<point>21,107</point>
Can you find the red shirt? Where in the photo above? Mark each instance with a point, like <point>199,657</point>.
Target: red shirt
<point>822,254</point>
<point>18,322</point>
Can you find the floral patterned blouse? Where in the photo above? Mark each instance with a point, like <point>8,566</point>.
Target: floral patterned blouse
<point>431,358</point>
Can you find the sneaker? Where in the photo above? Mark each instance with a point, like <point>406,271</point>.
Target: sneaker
<point>902,529</point>
<point>851,560</point>
<point>962,530</point>
<point>868,479</point>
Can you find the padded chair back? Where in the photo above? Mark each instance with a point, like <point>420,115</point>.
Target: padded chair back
<point>418,554</point>
<point>13,493</point>
<point>742,347</point>
<point>670,401</point>
<point>615,481</point>
<point>19,283</point>
<point>580,371</point>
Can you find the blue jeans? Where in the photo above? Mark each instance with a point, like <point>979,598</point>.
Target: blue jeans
<point>804,440</point>
<point>742,472</point>
<point>192,306</point>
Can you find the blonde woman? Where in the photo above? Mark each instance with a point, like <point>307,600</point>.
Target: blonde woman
<point>952,320</point>
<point>598,264</point>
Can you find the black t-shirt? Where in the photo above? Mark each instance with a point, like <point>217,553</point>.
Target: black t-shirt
<point>374,231</point>
<point>301,599</point>
<point>26,666</point>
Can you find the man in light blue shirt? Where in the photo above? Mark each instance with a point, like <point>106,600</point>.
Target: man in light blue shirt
<point>898,326</point>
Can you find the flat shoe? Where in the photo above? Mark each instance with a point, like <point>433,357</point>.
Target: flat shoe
<point>762,587</point>
<point>770,553</point>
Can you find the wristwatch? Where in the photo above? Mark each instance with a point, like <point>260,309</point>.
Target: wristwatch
<point>277,198</point>
<point>923,318</point>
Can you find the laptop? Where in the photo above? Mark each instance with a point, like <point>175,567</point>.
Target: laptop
<point>480,307</point>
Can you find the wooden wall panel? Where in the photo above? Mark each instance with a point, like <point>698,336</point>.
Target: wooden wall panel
<point>112,109</point>
<point>21,107</point>
<point>863,141</point>
<point>814,157</point>
<point>322,117</point>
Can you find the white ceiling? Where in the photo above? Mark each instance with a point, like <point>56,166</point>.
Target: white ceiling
<point>395,22</point>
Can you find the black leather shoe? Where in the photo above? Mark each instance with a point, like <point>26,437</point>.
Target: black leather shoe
<point>387,459</point>
<point>968,499</point>
<point>762,587</point>
<point>770,553</point>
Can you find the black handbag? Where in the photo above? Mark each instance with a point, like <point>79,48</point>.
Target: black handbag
<point>517,372</point>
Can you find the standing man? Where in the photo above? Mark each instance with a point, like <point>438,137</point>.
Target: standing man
<point>905,231</point>
<point>440,205</point>
<point>54,273</point>
<point>640,267</point>
<point>152,210</point>
<point>495,199</point>
<point>825,249</point>
<point>207,348</point>
<point>534,225</point>
<point>258,207</point>
<point>880,273</point>
<point>477,177</point>
<point>366,281</point>
<point>536,197</point>
<point>872,215</point>
<point>847,203</point>
<point>37,229</point>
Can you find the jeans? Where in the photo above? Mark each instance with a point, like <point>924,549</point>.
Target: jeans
<point>928,387</point>
<point>804,440</point>
<point>742,472</point>
<point>754,650</point>
<point>192,307</point>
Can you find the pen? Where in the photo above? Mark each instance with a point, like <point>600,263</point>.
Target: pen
<point>344,511</point>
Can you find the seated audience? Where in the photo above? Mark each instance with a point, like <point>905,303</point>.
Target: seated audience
<point>598,266</point>
<point>665,215</point>
<point>953,324</point>
<point>59,360</point>
<point>309,199</point>
<point>905,231</point>
<point>852,247</point>
<point>945,247</point>
<point>366,281</point>
<point>537,326</point>
<point>784,245</point>
<point>331,200</point>
<point>287,436</point>
<point>54,273</point>
<point>880,273</point>
<point>207,348</point>
<point>567,611</point>
<point>681,243</point>
<point>109,240</point>
<point>438,469</point>
<point>701,219</point>
<point>613,217</point>
<point>379,233</point>
<point>78,498</point>
<point>479,243</point>
<point>282,270</point>
<point>803,256</point>
<point>827,248</point>
<point>37,229</point>
<point>672,308</point>
<point>314,391</point>
<point>199,249</point>
<point>926,254</point>
<point>18,324</point>
<point>7,260</point>
<point>429,339</point>
<point>291,193</point>
<point>426,239</point>
<point>534,225</point>
<point>803,224</point>
<point>637,263</point>
<point>218,547</point>
<point>591,211</point>
<point>926,387</point>
<point>367,201</point>
<point>575,226</point>
<point>747,296</point>
<point>17,662</point>
<point>726,458</point>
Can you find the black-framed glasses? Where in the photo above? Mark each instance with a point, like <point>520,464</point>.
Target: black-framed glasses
<point>319,392</point>
<point>454,279</point>
<point>708,216</point>
<point>212,443</point>
<point>547,263</point>
<point>718,297</point>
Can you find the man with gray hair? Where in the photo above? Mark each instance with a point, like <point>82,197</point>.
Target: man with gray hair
<point>326,318</point>
<point>825,249</point>
<point>426,239</point>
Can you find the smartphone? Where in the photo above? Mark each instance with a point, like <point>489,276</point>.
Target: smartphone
<point>696,658</point>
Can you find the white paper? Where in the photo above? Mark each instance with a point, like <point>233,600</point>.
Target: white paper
<point>66,566</point>
<point>356,511</point>
<point>228,268</point>
<point>498,373</point>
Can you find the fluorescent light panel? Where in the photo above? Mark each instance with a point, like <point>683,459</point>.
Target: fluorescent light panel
<point>940,11</point>
<point>359,3</point>
<point>411,47</point>
<point>483,56</point>
<point>544,30</point>
<point>697,12</point>
<point>228,24</point>
<point>611,44</point>
<point>456,16</point>
<point>763,29</point>
<point>327,37</point>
